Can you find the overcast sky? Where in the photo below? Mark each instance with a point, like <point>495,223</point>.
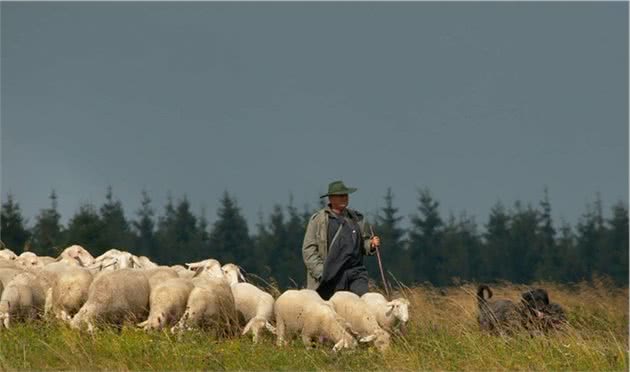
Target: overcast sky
<point>479,102</point>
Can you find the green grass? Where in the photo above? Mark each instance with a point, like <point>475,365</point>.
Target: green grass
<point>442,334</point>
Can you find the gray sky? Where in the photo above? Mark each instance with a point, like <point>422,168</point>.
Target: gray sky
<point>479,102</point>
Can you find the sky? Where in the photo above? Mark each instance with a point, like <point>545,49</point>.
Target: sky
<point>478,102</point>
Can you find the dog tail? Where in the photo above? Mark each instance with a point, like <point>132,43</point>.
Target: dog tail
<point>484,293</point>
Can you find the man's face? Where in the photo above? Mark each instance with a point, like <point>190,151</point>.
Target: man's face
<point>338,202</point>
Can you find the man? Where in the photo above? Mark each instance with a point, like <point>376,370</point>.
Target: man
<point>336,239</point>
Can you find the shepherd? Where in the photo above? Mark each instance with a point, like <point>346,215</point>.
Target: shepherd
<point>335,242</point>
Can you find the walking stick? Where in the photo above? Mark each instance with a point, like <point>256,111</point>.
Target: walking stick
<point>380,265</point>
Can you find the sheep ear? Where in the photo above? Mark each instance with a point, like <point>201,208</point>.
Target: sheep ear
<point>369,338</point>
<point>240,275</point>
<point>197,271</point>
<point>142,324</point>
<point>136,262</point>
<point>390,308</point>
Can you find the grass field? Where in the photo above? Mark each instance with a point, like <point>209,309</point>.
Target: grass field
<point>442,334</point>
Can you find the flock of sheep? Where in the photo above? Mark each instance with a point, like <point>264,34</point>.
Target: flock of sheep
<point>118,287</point>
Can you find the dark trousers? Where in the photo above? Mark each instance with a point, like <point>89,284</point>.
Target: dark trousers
<point>354,280</point>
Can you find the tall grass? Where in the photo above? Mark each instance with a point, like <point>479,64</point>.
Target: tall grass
<point>442,334</point>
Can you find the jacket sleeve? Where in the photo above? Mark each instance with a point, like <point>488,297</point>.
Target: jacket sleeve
<point>313,261</point>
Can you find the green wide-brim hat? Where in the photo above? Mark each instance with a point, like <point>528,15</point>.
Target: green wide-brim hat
<point>338,188</point>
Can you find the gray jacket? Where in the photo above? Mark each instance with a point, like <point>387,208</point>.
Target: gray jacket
<point>315,245</point>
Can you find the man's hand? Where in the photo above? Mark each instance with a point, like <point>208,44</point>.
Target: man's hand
<point>375,242</point>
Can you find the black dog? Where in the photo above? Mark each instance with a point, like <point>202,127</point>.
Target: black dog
<point>497,315</point>
<point>533,312</point>
<point>539,313</point>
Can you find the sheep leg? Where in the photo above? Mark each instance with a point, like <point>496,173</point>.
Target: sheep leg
<point>280,331</point>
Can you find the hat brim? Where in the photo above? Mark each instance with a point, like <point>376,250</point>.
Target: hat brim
<point>349,190</point>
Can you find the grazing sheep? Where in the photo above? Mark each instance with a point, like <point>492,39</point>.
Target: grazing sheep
<point>389,315</point>
<point>183,272</point>
<point>78,254</point>
<point>114,297</point>
<point>209,265</point>
<point>253,305</point>
<point>305,312</point>
<point>23,298</point>
<point>28,259</point>
<point>167,302</point>
<point>8,273</point>
<point>69,291</point>
<point>362,320</point>
<point>210,305</point>
<point>144,262</point>
<point>8,254</point>
<point>159,275</point>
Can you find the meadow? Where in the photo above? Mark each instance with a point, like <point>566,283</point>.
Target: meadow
<point>442,334</point>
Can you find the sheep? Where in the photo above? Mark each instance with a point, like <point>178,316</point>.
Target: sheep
<point>159,275</point>
<point>22,298</point>
<point>183,272</point>
<point>361,319</point>
<point>210,265</point>
<point>77,253</point>
<point>389,315</point>
<point>115,297</point>
<point>8,254</point>
<point>144,262</point>
<point>8,273</point>
<point>45,260</point>
<point>69,291</point>
<point>28,259</point>
<point>167,303</point>
<point>115,260</point>
<point>254,305</point>
<point>210,303</point>
<point>304,311</point>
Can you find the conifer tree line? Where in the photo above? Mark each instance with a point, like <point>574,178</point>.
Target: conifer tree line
<point>520,243</point>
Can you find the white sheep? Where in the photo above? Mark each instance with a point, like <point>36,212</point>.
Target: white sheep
<point>78,254</point>
<point>23,298</point>
<point>361,319</point>
<point>305,312</point>
<point>210,265</point>
<point>69,290</point>
<point>167,303</point>
<point>254,305</point>
<point>183,272</point>
<point>28,259</point>
<point>159,275</point>
<point>114,297</point>
<point>210,305</point>
<point>389,315</point>
<point>8,254</point>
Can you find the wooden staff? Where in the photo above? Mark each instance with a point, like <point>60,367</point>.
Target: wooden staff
<point>380,264</point>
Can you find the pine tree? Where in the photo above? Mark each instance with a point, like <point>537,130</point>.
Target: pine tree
<point>229,237</point>
<point>47,232</point>
<point>613,259</point>
<point>179,234</point>
<point>549,260</point>
<point>425,237</point>
<point>166,235</point>
<point>494,253</point>
<point>144,226</point>
<point>116,232</point>
<point>394,254</point>
<point>13,231</point>
<point>590,236</point>
<point>85,229</point>
<point>524,248</point>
